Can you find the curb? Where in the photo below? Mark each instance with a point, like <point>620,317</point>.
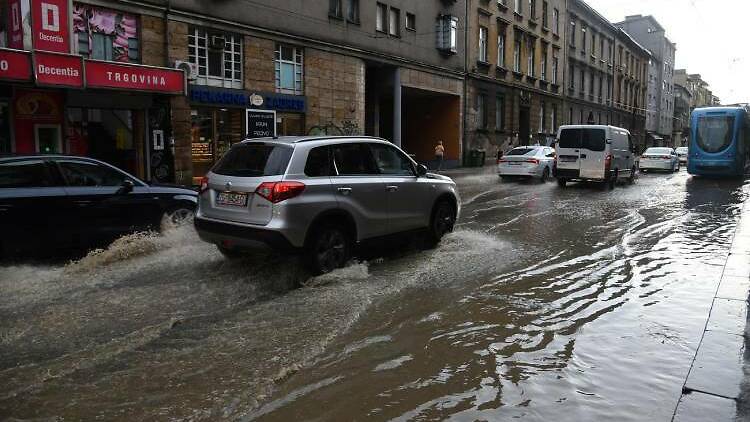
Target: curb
<point>713,386</point>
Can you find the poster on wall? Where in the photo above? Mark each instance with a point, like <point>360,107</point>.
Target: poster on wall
<point>50,24</point>
<point>261,123</point>
<point>15,24</point>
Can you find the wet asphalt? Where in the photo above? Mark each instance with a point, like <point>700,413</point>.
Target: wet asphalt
<point>545,304</point>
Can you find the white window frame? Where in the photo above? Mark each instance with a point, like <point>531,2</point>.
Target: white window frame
<point>232,47</point>
<point>543,63</point>
<point>518,7</point>
<point>299,69</point>
<point>517,46</point>
<point>530,60</point>
<point>483,33</point>
<point>381,17</point>
<point>555,65</point>
<point>542,112</point>
<point>501,48</point>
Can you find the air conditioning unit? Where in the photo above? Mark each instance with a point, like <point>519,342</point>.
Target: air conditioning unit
<point>217,42</point>
<point>190,69</point>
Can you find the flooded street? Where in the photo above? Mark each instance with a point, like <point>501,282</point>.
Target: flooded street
<point>545,303</point>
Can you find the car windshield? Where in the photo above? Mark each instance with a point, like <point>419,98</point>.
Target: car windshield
<point>714,133</point>
<point>524,151</point>
<point>658,151</point>
<point>254,160</point>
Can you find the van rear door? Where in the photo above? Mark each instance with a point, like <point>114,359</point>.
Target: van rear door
<point>593,153</point>
<point>568,151</point>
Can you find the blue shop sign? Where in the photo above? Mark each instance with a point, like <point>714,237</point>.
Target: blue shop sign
<point>239,98</point>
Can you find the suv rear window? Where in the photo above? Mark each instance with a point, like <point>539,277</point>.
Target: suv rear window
<point>590,139</point>
<point>254,160</point>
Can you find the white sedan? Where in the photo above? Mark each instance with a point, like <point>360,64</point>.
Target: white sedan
<point>682,154</point>
<point>658,158</point>
<point>531,161</point>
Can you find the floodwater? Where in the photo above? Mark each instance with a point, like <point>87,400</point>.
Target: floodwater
<point>545,304</point>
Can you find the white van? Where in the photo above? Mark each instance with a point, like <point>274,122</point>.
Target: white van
<point>594,153</point>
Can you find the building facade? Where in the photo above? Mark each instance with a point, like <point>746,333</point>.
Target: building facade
<point>647,31</point>
<point>606,73</point>
<point>682,100</point>
<point>514,72</point>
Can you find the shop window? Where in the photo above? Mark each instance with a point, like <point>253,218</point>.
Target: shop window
<point>218,56</point>
<point>4,128</point>
<point>104,34</point>
<point>289,62</point>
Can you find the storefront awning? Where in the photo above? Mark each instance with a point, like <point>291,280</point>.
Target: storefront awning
<point>73,71</point>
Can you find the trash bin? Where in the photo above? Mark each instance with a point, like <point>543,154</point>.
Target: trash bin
<point>477,158</point>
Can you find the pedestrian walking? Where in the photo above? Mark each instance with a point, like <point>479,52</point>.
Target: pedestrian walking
<point>439,153</point>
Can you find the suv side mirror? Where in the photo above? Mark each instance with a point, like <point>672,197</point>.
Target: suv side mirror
<point>421,170</point>
<point>126,187</point>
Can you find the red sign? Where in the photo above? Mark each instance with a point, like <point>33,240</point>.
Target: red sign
<point>58,69</point>
<point>50,25</point>
<point>134,77</point>
<point>15,65</point>
<point>15,25</point>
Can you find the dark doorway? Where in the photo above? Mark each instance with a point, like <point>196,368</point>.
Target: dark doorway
<point>524,125</point>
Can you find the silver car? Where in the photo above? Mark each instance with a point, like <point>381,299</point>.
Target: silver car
<point>660,158</point>
<point>682,154</point>
<point>533,161</point>
<point>321,196</point>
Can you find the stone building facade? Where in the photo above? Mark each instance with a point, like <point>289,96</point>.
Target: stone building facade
<point>515,69</point>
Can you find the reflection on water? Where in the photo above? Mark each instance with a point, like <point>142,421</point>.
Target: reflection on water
<point>547,304</point>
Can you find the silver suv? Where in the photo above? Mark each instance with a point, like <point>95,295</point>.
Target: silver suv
<point>320,196</point>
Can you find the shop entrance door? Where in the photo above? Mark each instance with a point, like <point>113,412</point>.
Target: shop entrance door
<point>48,139</point>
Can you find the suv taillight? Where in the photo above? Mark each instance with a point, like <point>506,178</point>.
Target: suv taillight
<point>203,185</point>
<point>279,191</point>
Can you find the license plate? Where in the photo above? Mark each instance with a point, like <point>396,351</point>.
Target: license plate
<point>232,199</point>
<point>514,164</point>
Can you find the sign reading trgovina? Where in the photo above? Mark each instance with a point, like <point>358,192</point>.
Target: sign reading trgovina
<point>50,25</point>
<point>101,74</point>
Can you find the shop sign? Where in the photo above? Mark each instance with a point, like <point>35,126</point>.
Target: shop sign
<point>50,25</point>
<point>101,74</point>
<point>239,98</point>
<point>15,65</point>
<point>261,123</point>
<point>15,24</point>
<point>58,70</point>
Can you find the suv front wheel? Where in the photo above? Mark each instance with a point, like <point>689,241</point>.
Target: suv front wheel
<point>329,248</point>
<point>443,220</point>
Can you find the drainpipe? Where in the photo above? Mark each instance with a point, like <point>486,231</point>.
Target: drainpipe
<point>462,145</point>
<point>397,107</point>
<point>166,33</point>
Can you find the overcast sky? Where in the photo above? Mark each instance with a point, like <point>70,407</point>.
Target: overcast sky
<point>711,36</point>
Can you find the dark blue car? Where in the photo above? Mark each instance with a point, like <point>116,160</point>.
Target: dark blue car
<point>59,202</point>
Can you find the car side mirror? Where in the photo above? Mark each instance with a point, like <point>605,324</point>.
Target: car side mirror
<point>421,170</point>
<point>126,187</point>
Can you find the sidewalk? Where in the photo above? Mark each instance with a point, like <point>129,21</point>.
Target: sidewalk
<point>717,387</point>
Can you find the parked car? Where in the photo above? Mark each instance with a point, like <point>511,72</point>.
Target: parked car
<point>682,154</point>
<point>533,161</point>
<point>658,158</point>
<point>595,153</point>
<point>65,201</point>
<point>320,196</point>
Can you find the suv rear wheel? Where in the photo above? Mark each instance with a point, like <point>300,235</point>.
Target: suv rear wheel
<point>329,248</point>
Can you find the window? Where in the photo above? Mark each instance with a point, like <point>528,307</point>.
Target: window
<point>531,51</point>
<point>101,46</point>
<point>334,9</point>
<point>555,64</point>
<point>545,12</point>
<point>447,34</point>
<point>500,112</point>
<point>319,163</point>
<point>517,53</point>
<point>411,22</point>
<point>572,78</point>
<point>390,161</point>
<point>543,63</point>
<point>555,21</point>
<point>289,69</point>
<point>553,120</point>
<point>593,44</point>
<point>532,9</point>
<point>24,174</point>
<point>582,86</point>
<point>104,34</point>
<point>353,160</point>
<point>572,34</point>
<point>601,47</point>
<point>482,44</point>
<point>352,11</point>
<point>380,17</point>
<point>82,173</point>
<point>601,87</point>
<point>518,7</point>
<point>394,22</point>
<point>542,113</point>
<point>501,48</point>
<point>482,111</point>
<point>591,85</point>
<point>254,160</point>
<point>218,57</point>
<point>570,118</point>
<point>583,39</point>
